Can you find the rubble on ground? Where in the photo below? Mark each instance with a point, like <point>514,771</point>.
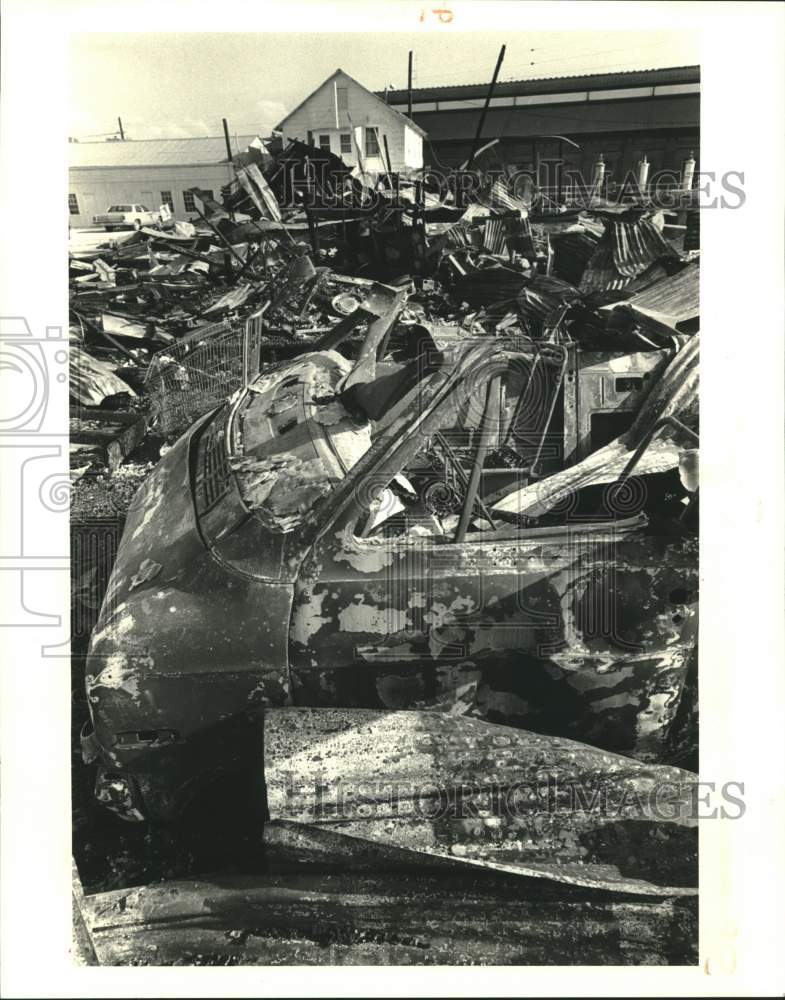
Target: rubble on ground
<point>281,266</point>
<point>300,256</point>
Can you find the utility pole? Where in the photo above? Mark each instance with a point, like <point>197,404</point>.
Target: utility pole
<point>226,137</point>
<point>485,108</point>
<point>120,124</point>
<point>410,82</point>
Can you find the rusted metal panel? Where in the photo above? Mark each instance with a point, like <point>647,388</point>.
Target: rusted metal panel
<point>318,917</point>
<point>485,795</point>
<point>571,635</point>
<point>603,383</point>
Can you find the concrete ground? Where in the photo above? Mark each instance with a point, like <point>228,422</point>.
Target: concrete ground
<point>89,239</point>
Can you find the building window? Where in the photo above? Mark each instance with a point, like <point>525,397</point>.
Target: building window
<point>188,201</point>
<point>324,142</point>
<point>208,193</point>
<point>346,142</point>
<point>343,98</point>
<point>371,142</point>
<point>166,199</point>
<point>73,204</point>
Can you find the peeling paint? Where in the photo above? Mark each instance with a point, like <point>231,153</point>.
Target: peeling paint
<point>361,617</point>
<point>307,617</point>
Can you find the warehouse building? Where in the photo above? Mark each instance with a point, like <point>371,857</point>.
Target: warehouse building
<point>622,115</point>
<point>150,172</point>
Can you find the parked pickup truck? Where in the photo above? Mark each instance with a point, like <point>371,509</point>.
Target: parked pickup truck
<point>125,216</point>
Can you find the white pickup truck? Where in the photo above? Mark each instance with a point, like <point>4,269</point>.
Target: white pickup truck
<point>127,216</point>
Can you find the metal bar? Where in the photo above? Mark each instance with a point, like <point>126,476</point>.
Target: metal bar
<point>489,418</point>
<point>249,328</point>
<point>386,152</point>
<point>220,236</point>
<point>521,398</point>
<point>410,83</point>
<point>639,451</point>
<point>559,379</point>
<point>461,473</point>
<point>339,332</point>
<point>485,108</point>
<point>226,137</point>
<point>312,228</point>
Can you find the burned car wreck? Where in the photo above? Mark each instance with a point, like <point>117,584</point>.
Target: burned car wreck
<point>403,532</point>
<point>414,547</point>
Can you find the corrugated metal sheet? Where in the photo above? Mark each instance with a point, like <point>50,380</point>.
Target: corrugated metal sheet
<point>601,274</point>
<point>494,237</point>
<point>647,278</point>
<point>538,300</point>
<point>153,152</point>
<point>499,199</point>
<point>500,289</point>
<point>625,251</point>
<point>677,297</point>
<point>637,245</point>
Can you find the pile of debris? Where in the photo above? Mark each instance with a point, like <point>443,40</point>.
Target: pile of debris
<point>303,254</point>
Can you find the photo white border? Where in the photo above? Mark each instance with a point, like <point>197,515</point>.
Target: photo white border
<point>742,682</point>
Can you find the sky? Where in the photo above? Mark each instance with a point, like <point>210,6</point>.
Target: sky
<point>182,84</point>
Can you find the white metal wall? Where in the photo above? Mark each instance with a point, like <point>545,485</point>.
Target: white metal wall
<point>96,188</point>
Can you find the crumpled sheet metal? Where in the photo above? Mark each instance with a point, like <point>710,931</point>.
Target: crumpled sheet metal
<point>674,299</point>
<point>92,380</point>
<point>385,304</point>
<point>625,250</point>
<point>257,187</point>
<point>541,298</point>
<point>345,913</point>
<point>636,245</point>
<point>572,252</point>
<point>675,394</point>
<point>465,790</point>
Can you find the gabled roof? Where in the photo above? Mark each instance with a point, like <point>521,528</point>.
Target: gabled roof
<point>412,125</point>
<point>154,152</point>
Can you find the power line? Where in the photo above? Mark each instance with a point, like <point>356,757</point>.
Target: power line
<point>542,62</point>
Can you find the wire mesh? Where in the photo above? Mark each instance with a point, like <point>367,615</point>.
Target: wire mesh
<point>188,378</point>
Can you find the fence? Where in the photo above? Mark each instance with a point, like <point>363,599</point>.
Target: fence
<point>197,373</point>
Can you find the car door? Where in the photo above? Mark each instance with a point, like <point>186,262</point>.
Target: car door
<point>580,629</point>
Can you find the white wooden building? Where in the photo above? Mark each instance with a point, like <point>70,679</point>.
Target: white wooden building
<point>348,119</point>
<point>149,172</point>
